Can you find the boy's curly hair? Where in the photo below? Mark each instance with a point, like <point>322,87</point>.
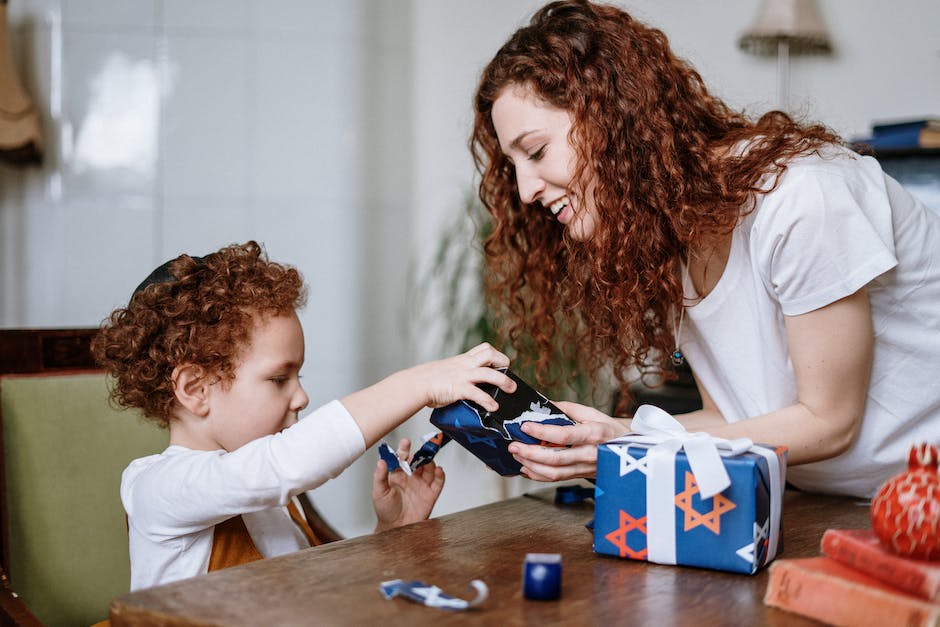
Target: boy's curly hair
<point>191,310</point>
<point>656,145</point>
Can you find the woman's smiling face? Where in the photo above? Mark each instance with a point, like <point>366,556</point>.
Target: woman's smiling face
<point>534,136</point>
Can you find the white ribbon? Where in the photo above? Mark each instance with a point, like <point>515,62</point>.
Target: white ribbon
<point>666,436</point>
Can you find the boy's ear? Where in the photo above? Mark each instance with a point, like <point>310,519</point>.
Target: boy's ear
<point>191,387</point>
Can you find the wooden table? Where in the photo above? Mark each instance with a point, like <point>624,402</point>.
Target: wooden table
<point>338,584</point>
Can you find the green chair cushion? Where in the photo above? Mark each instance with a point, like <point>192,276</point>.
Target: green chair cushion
<point>64,451</point>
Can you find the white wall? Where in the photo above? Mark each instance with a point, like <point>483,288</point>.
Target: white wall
<point>335,131</point>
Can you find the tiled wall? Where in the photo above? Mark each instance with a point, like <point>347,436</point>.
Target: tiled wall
<point>174,125</point>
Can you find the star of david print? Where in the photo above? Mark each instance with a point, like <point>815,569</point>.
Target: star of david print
<point>628,463</point>
<point>618,537</point>
<point>750,552</point>
<point>693,518</point>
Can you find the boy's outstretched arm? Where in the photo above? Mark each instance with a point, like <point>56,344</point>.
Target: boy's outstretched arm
<point>400,498</point>
<point>383,406</point>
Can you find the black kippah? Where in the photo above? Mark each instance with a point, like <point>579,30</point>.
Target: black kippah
<point>162,275</point>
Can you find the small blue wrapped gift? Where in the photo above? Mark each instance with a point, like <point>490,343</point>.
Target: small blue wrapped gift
<point>488,434</point>
<point>668,496</point>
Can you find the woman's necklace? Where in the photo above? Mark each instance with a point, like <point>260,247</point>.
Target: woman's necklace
<point>677,357</point>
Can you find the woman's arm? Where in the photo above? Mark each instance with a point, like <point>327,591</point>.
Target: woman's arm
<point>831,350</point>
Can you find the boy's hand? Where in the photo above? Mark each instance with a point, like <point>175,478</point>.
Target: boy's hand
<point>456,378</point>
<point>383,406</point>
<point>400,499</point>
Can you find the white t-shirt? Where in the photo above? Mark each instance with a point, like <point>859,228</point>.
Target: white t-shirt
<point>174,499</point>
<point>832,226</point>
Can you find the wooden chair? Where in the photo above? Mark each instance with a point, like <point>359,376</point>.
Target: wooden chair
<point>63,534</point>
<point>13,612</point>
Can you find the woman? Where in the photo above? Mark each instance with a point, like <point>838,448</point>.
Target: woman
<point>638,219</point>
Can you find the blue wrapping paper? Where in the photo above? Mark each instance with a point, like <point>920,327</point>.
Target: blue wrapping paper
<point>391,459</point>
<point>432,444</point>
<point>431,595</point>
<point>727,519</point>
<point>487,434</point>
<point>430,447</point>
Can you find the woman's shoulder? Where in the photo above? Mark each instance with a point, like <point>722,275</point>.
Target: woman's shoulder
<point>829,173</point>
<point>816,190</point>
<point>827,160</point>
<point>829,163</point>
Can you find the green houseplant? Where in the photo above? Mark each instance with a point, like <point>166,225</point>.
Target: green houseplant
<point>455,279</point>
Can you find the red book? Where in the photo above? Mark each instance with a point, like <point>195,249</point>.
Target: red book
<point>831,592</point>
<point>860,549</point>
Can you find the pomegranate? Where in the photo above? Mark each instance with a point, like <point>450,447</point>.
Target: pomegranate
<point>905,513</point>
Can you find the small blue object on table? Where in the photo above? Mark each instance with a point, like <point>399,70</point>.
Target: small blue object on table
<point>541,576</point>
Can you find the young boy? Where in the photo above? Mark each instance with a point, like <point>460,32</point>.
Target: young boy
<point>211,348</point>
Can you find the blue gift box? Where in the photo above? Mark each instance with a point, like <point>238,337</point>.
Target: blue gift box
<point>656,501</point>
<point>487,434</point>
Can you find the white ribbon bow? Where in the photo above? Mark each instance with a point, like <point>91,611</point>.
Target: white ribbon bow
<point>666,436</point>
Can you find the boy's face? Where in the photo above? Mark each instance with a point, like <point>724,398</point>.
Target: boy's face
<point>266,394</point>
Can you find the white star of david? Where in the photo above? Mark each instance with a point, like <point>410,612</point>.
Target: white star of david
<point>628,463</point>
<point>746,553</point>
<point>761,532</point>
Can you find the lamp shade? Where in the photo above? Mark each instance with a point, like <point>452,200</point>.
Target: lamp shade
<point>796,23</point>
<point>20,131</point>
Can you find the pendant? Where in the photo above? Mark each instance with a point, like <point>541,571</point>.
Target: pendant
<point>677,358</point>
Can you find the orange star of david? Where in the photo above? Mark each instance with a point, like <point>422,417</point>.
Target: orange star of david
<point>693,519</point>
<point>618,537</point>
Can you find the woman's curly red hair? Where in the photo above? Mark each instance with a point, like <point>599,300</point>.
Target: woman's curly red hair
<point>204,317</point>
<point>660,151</point>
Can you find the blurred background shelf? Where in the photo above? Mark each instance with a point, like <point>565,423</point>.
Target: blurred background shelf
<point>917,169</point>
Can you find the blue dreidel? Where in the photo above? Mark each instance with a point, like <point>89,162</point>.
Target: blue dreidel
<point>541,576</point>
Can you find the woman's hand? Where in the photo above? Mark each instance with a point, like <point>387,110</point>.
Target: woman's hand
<point>401,499</point>
<point>544,463</point>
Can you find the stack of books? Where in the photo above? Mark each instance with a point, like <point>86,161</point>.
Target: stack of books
<point>903,135</point>
<point>857,582</point>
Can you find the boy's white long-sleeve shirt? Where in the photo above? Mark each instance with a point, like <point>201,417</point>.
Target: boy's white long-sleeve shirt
<point>174,499</point>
